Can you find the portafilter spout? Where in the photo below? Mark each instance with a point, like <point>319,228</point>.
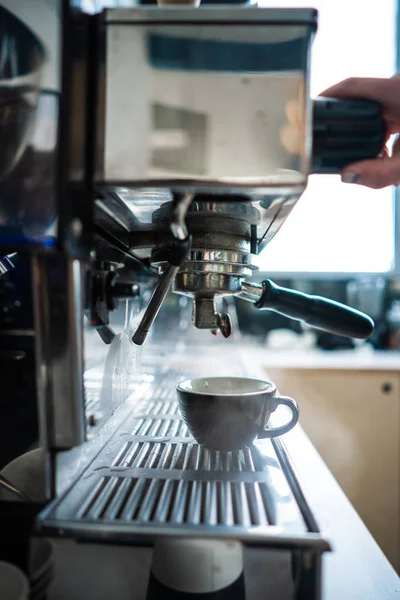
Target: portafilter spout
<point>205,316</point>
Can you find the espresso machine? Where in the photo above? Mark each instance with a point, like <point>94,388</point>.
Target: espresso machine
<point>148,149</point>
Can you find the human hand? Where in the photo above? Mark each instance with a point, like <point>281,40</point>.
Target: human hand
<point>385,170</point>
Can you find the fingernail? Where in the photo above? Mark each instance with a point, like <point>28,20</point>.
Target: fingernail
<point>351,177</point>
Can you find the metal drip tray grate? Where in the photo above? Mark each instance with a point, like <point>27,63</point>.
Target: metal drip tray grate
<point>177,503</point>
<point>186,457</point>
<point>152,479</point>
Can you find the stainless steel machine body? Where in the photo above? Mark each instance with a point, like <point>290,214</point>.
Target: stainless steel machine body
<point>115,202</point>
<point>209,99</point>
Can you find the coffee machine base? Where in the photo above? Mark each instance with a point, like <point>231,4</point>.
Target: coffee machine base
<point>152,484</point>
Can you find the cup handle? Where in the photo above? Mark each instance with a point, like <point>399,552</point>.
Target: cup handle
<point>292,404</point>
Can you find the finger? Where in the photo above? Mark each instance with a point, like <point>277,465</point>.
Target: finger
<point>383,91</point>
<point>375,174</point>
<point>386,146</point>
<point>377,89</point>
<point>391,150</point>
<point>396,146</point>
<point>391,128</point>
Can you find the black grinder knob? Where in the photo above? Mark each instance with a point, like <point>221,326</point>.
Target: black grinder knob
<point>344,132</point>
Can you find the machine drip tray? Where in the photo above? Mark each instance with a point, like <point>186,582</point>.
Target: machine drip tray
<point>152,479</point>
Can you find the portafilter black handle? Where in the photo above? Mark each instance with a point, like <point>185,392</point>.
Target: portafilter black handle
<point>315,311</point>
<point>344,132</point>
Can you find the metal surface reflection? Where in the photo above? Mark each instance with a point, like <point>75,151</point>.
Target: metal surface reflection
<point>28,123</point>
<point>21,58</point>
<point>213,96</point>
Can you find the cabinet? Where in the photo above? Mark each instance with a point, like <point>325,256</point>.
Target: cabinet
<point>352,418</point>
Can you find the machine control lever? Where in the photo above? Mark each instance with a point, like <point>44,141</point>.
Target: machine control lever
<point>315,311</point>
<point>175,254</point>
<point>152,310</point>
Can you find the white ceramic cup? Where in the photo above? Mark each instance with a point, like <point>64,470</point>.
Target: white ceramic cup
<point>14,584</point>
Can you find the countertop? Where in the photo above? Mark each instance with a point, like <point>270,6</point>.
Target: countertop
<point>362,359</point>
<point>357,569</point>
